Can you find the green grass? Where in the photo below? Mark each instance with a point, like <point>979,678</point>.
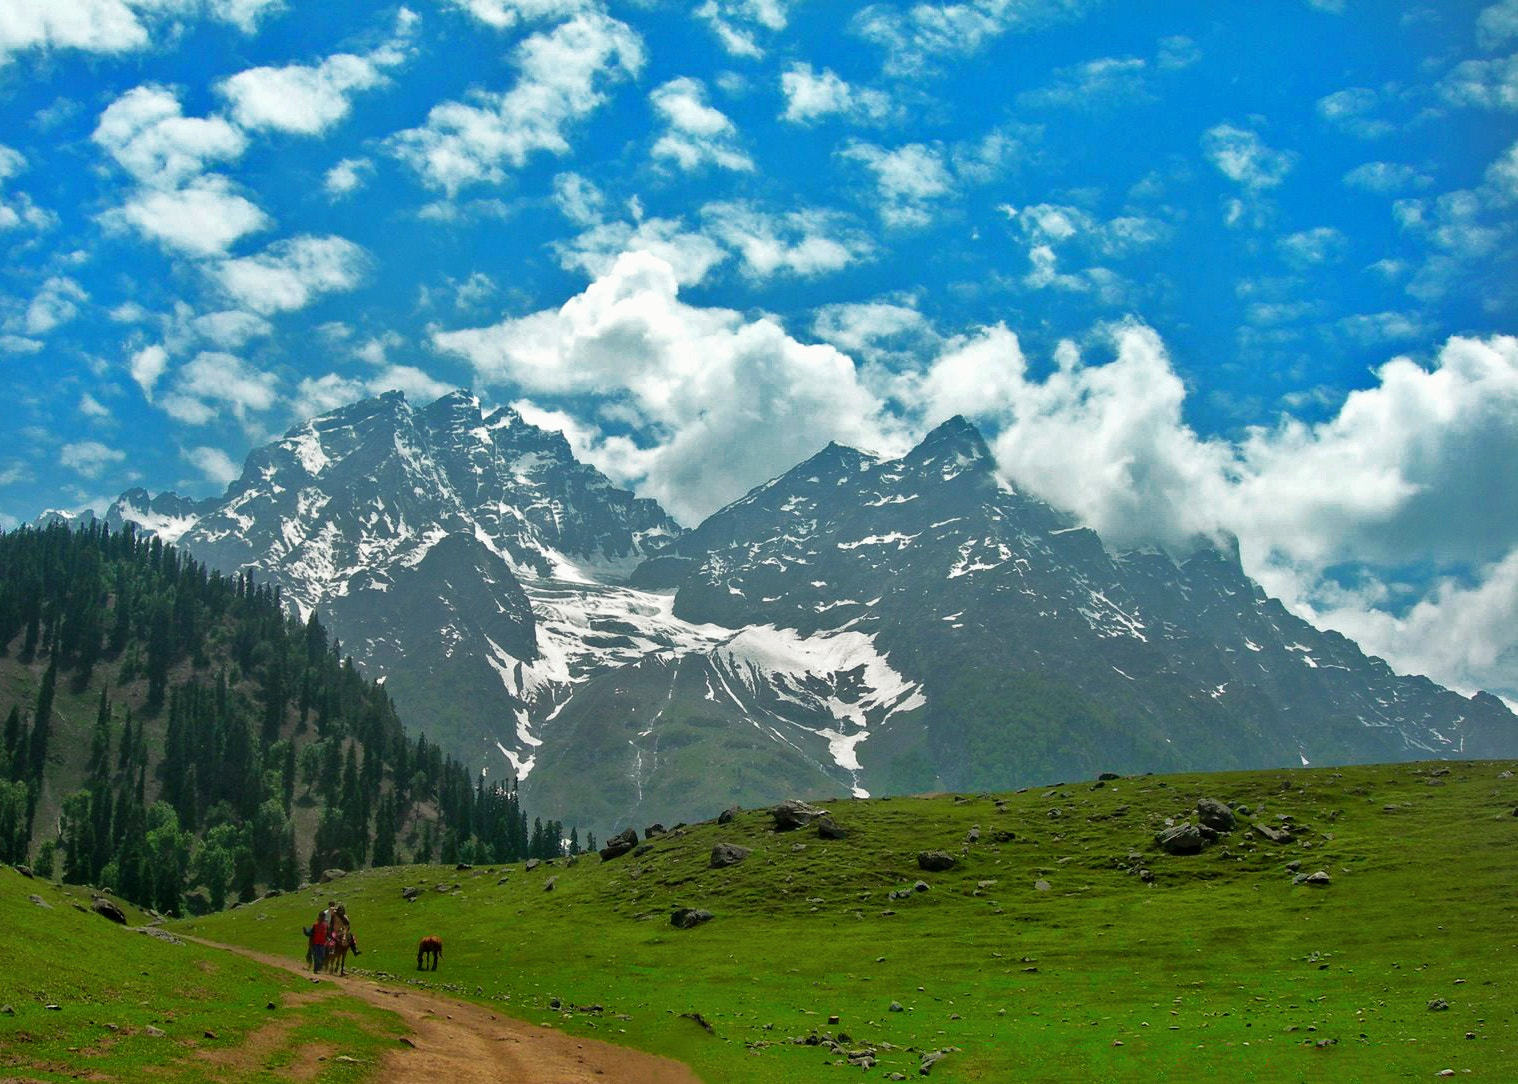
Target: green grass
<point>1219,968</point>
<point>111,985</point>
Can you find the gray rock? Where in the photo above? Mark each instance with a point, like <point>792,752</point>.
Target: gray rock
<point>409,893</point>
<point>40,902</point>
<point>932,1058</point>
<point>686,918</point>
<point>106,909</point>
<point>828,828</point>
<point>728,854</point>
<point>329,875</point>
<point>619,844</point>
<point>973,835</point>
<point>548,884</point>
<point>653,831</point>
<point>896,1007</point>
<point>532,864</point>
<point>1274,835</point>
<point>641,849</point>
<point>920,886</point>
<point>794,813</point>
<point>1041,885</point>
<point>1321,879</point>
<point>1438,1004</point>
<point>728,814</point>
<point>1184,838</point>
<point>936,861</point>
<point>1215,815</point>
<point>151,1030</point>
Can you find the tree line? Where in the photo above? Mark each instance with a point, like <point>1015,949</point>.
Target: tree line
<point>224,727</point>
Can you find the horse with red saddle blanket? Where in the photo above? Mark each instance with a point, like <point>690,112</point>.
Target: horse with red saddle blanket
<point>429,946</point>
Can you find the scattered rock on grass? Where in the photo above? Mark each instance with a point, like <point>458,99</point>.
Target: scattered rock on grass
<point>828,828</point>
<point>794,813</point>
<point>40,902</point>
<point>619,844</point>
<point>728,854</point>
<point>1438,1004</point>
<point>333,875</point>
<point>936,861</point>
<point>409,893</point>
<point>106,909</point>
<point>728,814</point>
<point>548,884</point>
<point>1215,815</point>
<point>686,918</point>
<point>1184,838</point>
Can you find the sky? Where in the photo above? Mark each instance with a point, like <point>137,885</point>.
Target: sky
<point>1195,269</point>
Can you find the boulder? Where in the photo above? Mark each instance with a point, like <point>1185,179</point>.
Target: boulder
<point>329,875</point>
<point>1321,879</point>
<point>1274,835</point>
<point>1215,815</point>
<point>828,828</point>
<point>653,831</point>
<point>106,909</point>
<point>1184,838</point>
<point>532,864</point>
<point>794,813</point>
<point>548,884</point>
<point>936,861</point>
<point>685,918</point>
<point>619,844</point>
<point>728,814</point>
<point>410,893</point>
<point>728,854</point>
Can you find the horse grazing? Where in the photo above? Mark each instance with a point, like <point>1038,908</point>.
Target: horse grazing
<point>429,946</point>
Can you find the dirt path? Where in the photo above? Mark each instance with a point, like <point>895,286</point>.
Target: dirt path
<point>462,1043</point>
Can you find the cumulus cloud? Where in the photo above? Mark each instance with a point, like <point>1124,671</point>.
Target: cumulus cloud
<point>309,99</point>
<point>875,330</point>
<point>565,76</point>
<point>1310,248</point>
<point>89,458</point>
<point>1243,157</point>
<point>1352,111</point>
<point>291,274</point>
<point>213,381</point>
<point>17,210</point>
<point>1498,24</point>
<point>110,26</point>
<point>53,305</point>
<point>1483,84</point>
<point>213,463</point>
<point>204,218</point>
<point>505,14</point>
<point>147,133</point>
<point>690,254</point>
<point>737,23</point>
<point>147,366</point>
<point>1050,229</point>
<point>346,177</point>
<point>804,242</point>
<point>720,403</point>
<point>909,180</point>
<point>810,96</point>
<point>231,328</point>
<point>696,134</point>
<point>925,33</point>
<point>1386,178</point>
<point>1093,84</point>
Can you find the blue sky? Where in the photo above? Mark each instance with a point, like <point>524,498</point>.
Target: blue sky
<point>1194,268</point>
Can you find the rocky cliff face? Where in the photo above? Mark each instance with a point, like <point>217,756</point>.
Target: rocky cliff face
<point>856,625</point>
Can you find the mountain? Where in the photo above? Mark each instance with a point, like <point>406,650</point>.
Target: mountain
<point>857,625</point>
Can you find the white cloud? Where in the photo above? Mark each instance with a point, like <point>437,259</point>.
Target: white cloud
<point>310,99</point>
<point>213,380</point>
<point>291,274</point>
<point>874,330</point>
<point>578,199</point>
<point>737,23</point>
<point>505,14</point>
<point>1243,157</point>
<point>1386,178</point>
<point>110,26</point>
<point>1310,248</point>
<point>909,180</point>
<point>1351,111</point>
<point>810,97</point>
<point>23,210</point>
<point>804,242</point>
<point>1383,328</point>
<point>1497,24</point>
<point>148,134</point>
<point>19,344</point>
<point>55,304</point>
<point>214,463</point>
<point>696,133</point>
<point>346,177</point>
<point>689,253</point>
<point>230,328</point>
<point>91,407</point>
<point>1502,176</point>
<point>319,395</point>
<point>719,403</point>
<point>1093,84</point>
<point>1483,84</point>
<point>565,74</point>
<point>89,458</point>
<point>418,386</point>
<point>147,366</point>
<point>204,218</point>
<point>924,32</point>
<point>1177,52</point>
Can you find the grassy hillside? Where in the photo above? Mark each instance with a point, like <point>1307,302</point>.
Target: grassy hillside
<point>1045,955</point>
<point>83,997</point>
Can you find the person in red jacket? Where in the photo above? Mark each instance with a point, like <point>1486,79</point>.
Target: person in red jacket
<point>318,942</point>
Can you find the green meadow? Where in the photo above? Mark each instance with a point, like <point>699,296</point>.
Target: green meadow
<point>1043,955</point>
<point>84,998</point>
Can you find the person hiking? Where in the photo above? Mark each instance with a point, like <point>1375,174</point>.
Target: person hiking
<point>318,942</point>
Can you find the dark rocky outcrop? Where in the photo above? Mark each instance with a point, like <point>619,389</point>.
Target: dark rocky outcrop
<point>728,854</point>
<point>936,861</point>
<point>794,813</point>
<point>686,918</point>
<point>1215,815</point>
<point>619,844</point>
<point>1184,838</point>
<point>106,909</point>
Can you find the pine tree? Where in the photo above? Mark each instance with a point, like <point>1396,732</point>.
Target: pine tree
<point>42,721</point>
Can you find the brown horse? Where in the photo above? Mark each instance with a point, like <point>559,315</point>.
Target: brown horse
<point>429,946</point>
<point>337,951</point>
